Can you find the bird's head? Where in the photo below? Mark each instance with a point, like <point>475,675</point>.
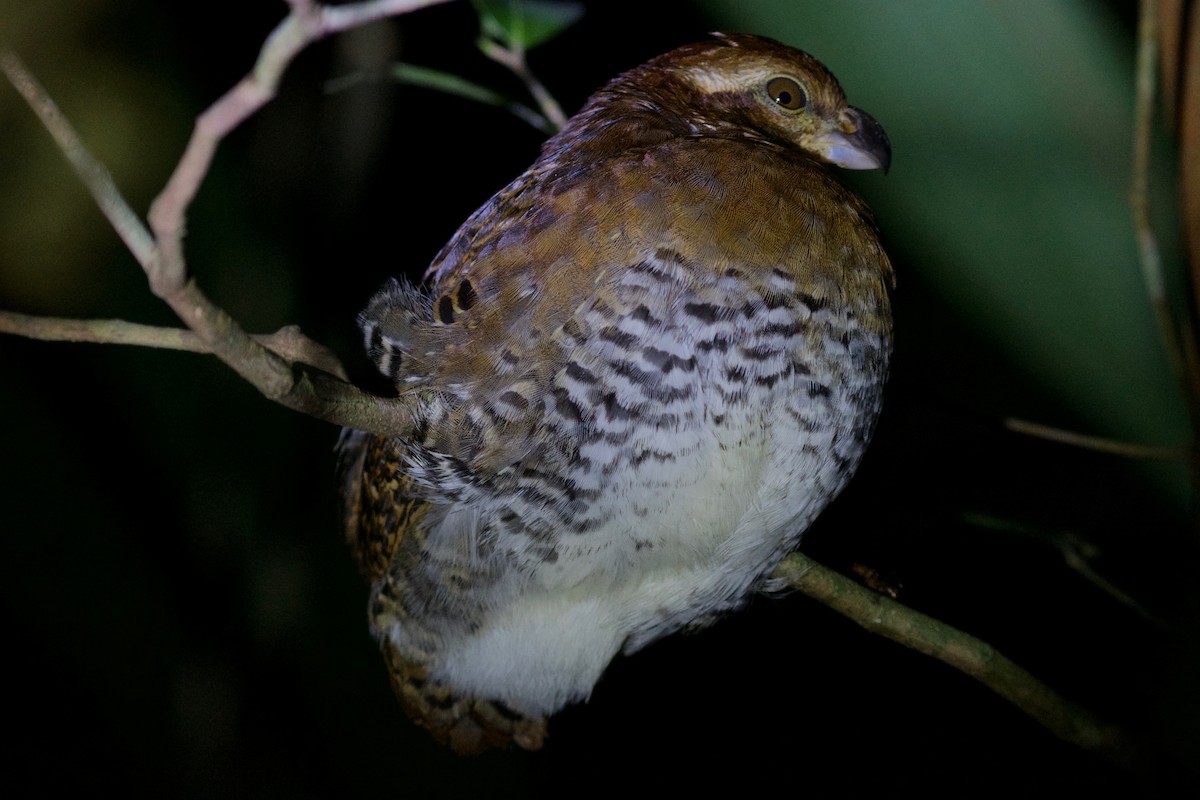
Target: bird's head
<point>739,85</point>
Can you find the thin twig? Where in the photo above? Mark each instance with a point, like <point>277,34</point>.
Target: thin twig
<point>307,23</point>
<point>100,331</point>
<point>414,75</point>
<point>1170,35</point>
<point>885,617</point>
<point>1186,368</point>
<point>272,375</point>
<point>1189,149</point>
<point>287,342</point>
<point>1078,554</point>
<point>94,174</point>
<point>1096,443</point>
<point>273,372</point>
<point>514,60</point>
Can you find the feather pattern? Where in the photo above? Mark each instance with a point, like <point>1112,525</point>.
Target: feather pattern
<point>639,372</point>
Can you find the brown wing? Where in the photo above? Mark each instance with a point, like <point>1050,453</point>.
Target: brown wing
<point>378,503</point>
<point>380,512</point>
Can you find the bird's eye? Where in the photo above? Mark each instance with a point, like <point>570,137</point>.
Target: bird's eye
<point>787,93</point>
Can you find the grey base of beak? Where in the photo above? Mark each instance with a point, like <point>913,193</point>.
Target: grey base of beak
<point>867,148</point>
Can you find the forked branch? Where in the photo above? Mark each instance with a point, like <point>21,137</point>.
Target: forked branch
<point>294,377</point>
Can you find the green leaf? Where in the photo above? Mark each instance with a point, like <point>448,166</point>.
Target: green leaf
<point>524,24</point>
<point>427,78</point>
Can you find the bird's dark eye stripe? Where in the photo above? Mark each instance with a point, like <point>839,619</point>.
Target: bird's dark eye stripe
<point>787,93</point>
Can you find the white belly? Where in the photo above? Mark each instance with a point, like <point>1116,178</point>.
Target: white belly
<point>691,484</point>
<point>695,535</point>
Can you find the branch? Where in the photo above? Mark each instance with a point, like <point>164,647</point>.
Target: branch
<point>1096,443</point>
<point>274,377</point>
<point>287,342</point>
<point>93,174</point>
<point>414,75</point>
<point>1180,348</point>
<point>976,658</point>
<point>1078,554</point>
<point>285,375</point>
<point>1189,149</point>
<point>308,22</point>
<point>514,60</point>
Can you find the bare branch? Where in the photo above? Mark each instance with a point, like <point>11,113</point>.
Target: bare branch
<point>271,374</point>
<point>287,342</point>
<point>307,23</point>
<point>1096,443</point>
<point>351,15</point>
<point>1183,356</point>
<point>969,655</point>
<point>1170,34</point>
<point>100,331</point>
<point>291,344</point>
<point>278,371</point>
<point>1189,149</point>
<point>514,60</point>
<point>93,174</point>
<point>1078,554</point>
<point>415,75</point>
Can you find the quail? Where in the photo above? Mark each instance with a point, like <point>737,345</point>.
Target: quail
<point>636,375</point>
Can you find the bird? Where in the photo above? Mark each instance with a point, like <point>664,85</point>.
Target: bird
<point>635,376</point>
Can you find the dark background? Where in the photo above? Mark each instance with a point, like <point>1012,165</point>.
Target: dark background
<point>184,619</point>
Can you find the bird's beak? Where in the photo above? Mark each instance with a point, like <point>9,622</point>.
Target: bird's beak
<point>859,142</point>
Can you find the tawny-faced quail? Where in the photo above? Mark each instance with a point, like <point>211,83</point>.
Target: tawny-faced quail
<point>637,374</point>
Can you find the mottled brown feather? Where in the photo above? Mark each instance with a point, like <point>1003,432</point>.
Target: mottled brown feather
<point>681,160</point>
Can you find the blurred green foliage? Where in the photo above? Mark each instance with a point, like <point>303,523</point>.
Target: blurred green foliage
<point>1011,125</point>
<point>523,24</point>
